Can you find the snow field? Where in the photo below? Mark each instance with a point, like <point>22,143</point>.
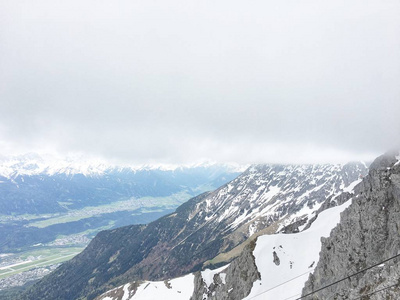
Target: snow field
<point>298,255</point>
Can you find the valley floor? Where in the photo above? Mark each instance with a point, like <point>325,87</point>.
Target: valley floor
<point>50,239</point>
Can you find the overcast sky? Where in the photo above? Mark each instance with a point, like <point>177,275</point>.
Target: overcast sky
<point>173,81</point>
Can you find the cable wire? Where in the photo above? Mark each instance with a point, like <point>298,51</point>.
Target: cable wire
<point>281,285</point>
<point>375,292</point>
<point>288,298</point>
<point>348,277</point>
<point>329,285</point>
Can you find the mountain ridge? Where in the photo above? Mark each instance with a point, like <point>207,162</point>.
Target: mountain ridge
<point>198,231</point>
<point>31,185</point>
<point>35,164</point>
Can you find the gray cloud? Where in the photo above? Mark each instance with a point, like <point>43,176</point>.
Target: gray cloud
<point>180,81</point>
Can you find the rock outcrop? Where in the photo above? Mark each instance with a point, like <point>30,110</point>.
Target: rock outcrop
<point>369,233</point>
<point>233,283</point>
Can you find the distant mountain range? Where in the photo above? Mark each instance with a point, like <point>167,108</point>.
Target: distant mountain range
<point>31,184</point>
<point>35,164</point>
<point>209,230</point>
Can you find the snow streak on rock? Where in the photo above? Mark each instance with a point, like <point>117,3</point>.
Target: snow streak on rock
<point>265,194</point>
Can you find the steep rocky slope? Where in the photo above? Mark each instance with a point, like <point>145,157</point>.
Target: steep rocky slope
<point>367,235</point>
<point>272,267</point>
<point>263,197</point>
<point>233,282</point>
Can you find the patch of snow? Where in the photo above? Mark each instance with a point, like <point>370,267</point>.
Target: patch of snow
<point>351,186</point>
<point>298,254</point>
<point>126,291</point>
<point>364,164</point>
<point>307,193</point>
<point>208,275</point>
<point>273,191</point>
<point>181,288</point>
<point>252,169</point>
<point>398,159</point>
<point>252,228</point>
<point>223,277</point>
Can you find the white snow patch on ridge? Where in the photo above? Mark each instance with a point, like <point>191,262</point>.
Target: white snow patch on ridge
<point>181,288</point>
<point>398,159</point>
<point>208,275</point>
<point>352,185</point>
<point>126,291</point>
<point>298,254</point>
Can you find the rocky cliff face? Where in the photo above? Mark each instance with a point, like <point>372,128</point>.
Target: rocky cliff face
<point>369,233</point>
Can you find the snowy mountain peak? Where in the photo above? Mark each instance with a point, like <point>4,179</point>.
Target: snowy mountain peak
<point>265,194</point>
<point>35,164</point>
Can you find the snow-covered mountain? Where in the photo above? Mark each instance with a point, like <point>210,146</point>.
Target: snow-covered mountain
<point>31,184</point>
<point>210,229</point>
<point>35,164</point>
<point>357,259</point>
<point>276,194</point>
<point>279,258</point>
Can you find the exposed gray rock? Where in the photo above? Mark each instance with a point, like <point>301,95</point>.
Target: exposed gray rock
<point>122,292</point>
<point>233,283</point>
<point>294,227</point>
<point>277,261</point>
<point>367,234</point>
